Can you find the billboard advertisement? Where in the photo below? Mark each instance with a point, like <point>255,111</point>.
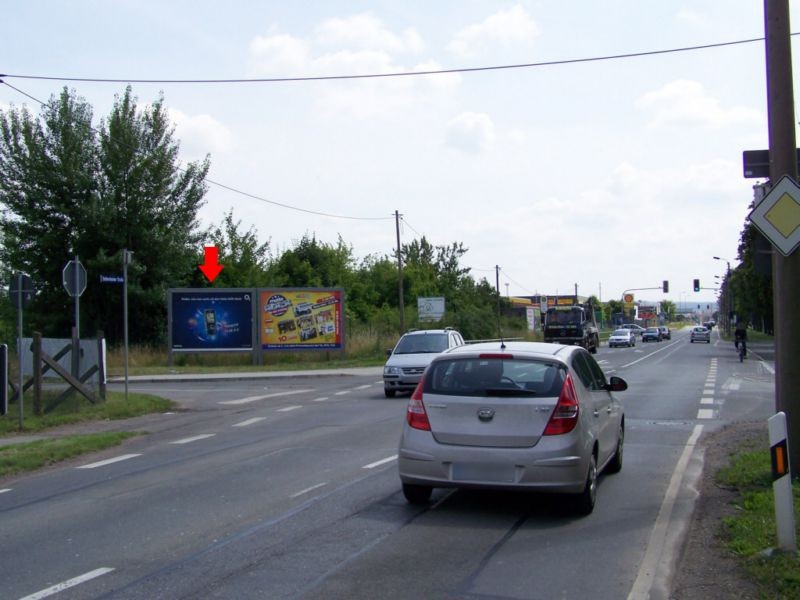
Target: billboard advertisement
<point>301,318</point>
<point>211,319</point>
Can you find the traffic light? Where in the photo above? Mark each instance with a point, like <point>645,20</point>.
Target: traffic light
<point>665,287</point>
<point>696,285</point>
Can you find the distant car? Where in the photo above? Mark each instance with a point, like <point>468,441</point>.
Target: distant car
<point>413,352</point>
<point>651,334</point>
<point>622,337</point>
<point>666,333</point>
<point>512,416</point>
<point>700,334</point>
<point>637,329</point>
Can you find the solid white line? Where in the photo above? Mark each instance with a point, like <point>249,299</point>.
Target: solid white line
<point>109,461</point>
<point>310,489</point>
<point>60,587</point>
<point>264,397</point>
<point>5,490</point>
<point>630,364</point>
<point>288,408</point>
<point>249,421</point>
<point>655,545</point>
<point>380,462</point>
<point>320,399</point>
<point>194,439</point>
<point>705,413</point>
<point>768,368</point>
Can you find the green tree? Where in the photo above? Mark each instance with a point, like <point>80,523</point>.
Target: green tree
<point>70,189</point>
<point>246,261</point>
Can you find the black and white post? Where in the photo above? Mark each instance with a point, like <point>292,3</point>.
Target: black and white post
<point>782,482</point>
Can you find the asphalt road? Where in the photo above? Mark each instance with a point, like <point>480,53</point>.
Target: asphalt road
<point>287,488</point>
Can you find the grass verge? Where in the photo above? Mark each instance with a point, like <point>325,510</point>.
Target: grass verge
<point>19,458</point>
<point>753,530</point>
<point>78,410</point>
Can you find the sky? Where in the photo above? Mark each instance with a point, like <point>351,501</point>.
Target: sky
<point>609,175</point>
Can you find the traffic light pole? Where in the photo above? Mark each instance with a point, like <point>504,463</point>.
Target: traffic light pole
<point>785,269</point>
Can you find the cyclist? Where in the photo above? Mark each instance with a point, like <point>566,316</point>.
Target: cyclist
<point>740,337</point>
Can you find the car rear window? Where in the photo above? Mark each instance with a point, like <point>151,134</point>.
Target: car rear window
<point>495,376</point>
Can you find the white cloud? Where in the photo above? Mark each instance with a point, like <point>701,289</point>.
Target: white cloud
<point>367,31</point>
<point>470,132</point>
<point>691,17</point>
<point>201,134</point>
<point>684,102</point>
<point>511,27</point>
<point>279,54</point>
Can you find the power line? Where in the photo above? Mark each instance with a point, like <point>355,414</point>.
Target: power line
<point>233,189</point>
<point>550,63</point>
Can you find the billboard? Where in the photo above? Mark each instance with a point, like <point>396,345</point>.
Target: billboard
<point>301,318</point>
<point>211,319</point>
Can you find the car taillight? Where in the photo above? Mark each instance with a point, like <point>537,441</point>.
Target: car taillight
<point>565,414</point>
<point>415,414</point>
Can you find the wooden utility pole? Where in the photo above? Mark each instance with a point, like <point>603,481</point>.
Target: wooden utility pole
<point>785,269</point>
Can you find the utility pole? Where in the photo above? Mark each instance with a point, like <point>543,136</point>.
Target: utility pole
<point>400,274</point>
<point>785,269</point>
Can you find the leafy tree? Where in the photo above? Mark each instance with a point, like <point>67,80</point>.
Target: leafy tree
<point>70,189</point>
<point>246,261</point>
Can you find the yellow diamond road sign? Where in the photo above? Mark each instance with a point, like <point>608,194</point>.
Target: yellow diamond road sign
<point>778,216</point>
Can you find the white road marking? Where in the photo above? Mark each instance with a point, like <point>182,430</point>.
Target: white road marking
<point>322,399</point>
<point>188,440</point>
<point>249,421</point>
<point>250,399</point>
<point>379,382</point>
<point>309,489</point>
<point>363,387</point>
<point>732,385</point>
<point>3,491</point>
<point>705,413</point>
<point>109,461</point>
<point>378,463</point>
<point>655,545</point>
<point>342,393</point>
<point>707,400</point>
<point>768,367</point>
<point>630,364</point>
<point>288,408</point>
<point>60,587</point>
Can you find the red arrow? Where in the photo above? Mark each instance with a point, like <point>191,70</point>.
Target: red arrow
<point>211,267</point>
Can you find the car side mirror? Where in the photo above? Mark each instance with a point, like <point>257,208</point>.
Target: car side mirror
<point>388,353</point>
<point>617,384</point>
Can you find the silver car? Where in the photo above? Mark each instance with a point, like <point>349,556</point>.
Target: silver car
<point>516,416</point>
<point>700,334</point>
<point>412,353</point>
<point>622,337</point>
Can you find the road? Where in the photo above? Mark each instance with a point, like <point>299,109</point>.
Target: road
<point>287,488</point>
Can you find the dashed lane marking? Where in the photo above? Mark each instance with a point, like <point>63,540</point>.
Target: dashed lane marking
<point>249,422</point>
<point>108,461</point>
<point>195,438</point>
<point>3,491</point>
<point>322,399</point>
<point>705,413</point>
<point>308,489</point>
<point>289,408</point>
<point>250,399</point>
<point>60,587</point>
<point>378,463</point>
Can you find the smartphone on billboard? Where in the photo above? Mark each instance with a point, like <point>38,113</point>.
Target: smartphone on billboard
<point>211,322</point>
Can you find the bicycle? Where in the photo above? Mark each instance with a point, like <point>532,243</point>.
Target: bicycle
<point>742,348</point>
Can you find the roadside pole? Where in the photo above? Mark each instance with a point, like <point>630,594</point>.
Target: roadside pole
<point>782,483</point>
<point>786,269</point>
<point>126,259</point>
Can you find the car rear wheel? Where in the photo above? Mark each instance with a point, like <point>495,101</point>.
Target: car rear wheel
<point>615,466</point>
<point>584,502</point>
<point>417,494</point>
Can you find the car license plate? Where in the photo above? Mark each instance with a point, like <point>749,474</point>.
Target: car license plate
<point>483,472</point>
